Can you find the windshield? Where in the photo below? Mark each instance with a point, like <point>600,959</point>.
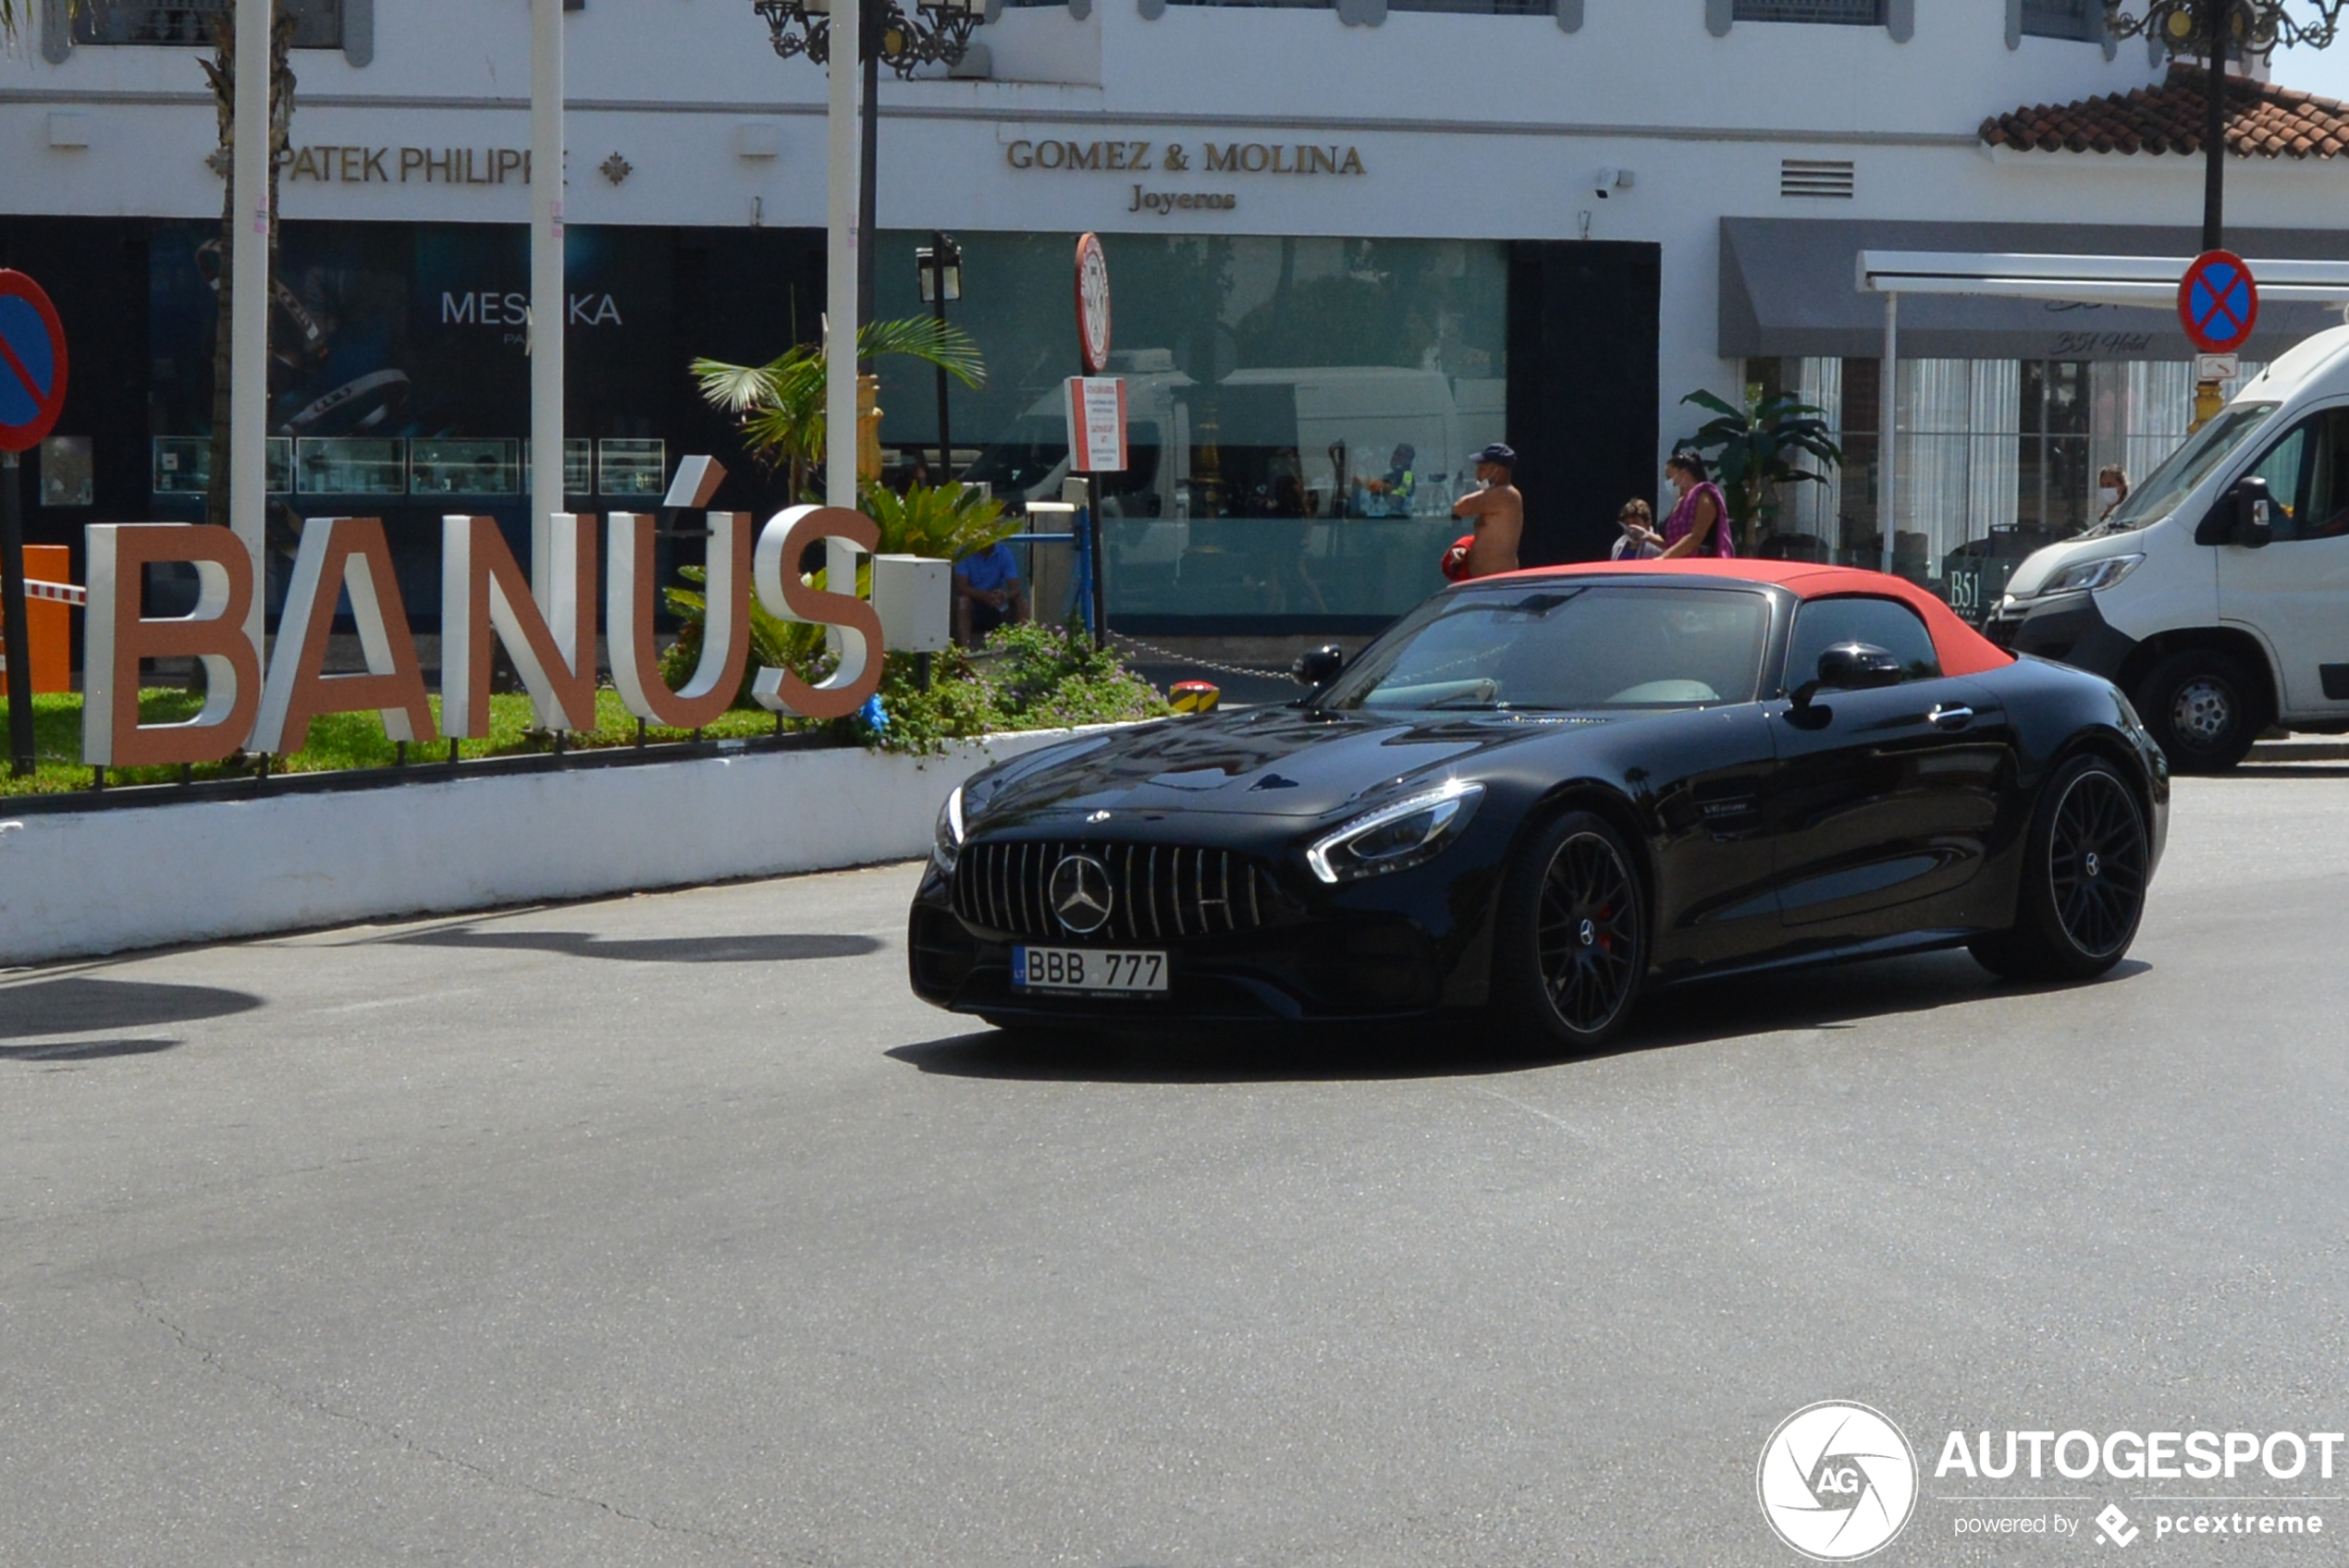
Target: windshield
<point>1566,645</point>
<point>2187,467</point>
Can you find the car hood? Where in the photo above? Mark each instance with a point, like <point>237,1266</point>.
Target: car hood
<point>1268,761</point>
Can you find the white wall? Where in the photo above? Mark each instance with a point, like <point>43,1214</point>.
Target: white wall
<point>95,882</point>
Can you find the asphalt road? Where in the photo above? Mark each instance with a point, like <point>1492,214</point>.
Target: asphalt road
<point>671,1230</point>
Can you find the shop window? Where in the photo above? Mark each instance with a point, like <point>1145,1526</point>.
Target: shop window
<point>1301,411</point>
<point>631,467</point>
<point>1844,13</point>
<point>318,24</point>
<point>2079,19</point>
<point>182,465</point>
<point>445,467</point>
<point>579,466</point>
<point>351,465</point>
<point>66,478</point>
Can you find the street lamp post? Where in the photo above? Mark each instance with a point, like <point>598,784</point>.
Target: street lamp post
<point>2213,30</point>
<point>938,33</point>
<point>940,264</point>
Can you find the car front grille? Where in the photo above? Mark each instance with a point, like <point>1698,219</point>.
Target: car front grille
<point>1158,892</point>
<point>2001,629</point>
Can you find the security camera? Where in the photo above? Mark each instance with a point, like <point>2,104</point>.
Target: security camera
<point>1612,180</point>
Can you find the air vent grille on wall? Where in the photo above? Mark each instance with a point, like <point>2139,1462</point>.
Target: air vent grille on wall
<point>1817,177</point>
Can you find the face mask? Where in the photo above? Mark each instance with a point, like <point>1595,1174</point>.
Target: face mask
<point>2107,496</point>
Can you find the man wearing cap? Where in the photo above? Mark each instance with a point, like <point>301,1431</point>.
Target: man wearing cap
<point>1498,511</point>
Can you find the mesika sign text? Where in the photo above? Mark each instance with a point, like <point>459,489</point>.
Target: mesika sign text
<point>484,595</point>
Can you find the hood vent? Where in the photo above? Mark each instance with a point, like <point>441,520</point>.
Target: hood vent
<point>1832,178</point>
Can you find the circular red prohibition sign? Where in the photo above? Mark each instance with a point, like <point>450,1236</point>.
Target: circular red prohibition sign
<point>32,363</point>
<point>2219,302</point>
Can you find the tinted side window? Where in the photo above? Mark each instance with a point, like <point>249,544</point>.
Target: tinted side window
<point>1883,623</point>
<point>2323,509</point>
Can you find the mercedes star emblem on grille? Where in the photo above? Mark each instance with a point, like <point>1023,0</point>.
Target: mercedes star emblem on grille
<point>1081,894</point>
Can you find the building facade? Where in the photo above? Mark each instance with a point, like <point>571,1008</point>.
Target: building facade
<point>1350,242</point>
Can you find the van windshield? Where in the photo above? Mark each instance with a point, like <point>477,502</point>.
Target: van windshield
<point>2187,467</point>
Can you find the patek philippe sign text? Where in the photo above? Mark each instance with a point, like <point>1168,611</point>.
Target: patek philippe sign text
<point>412,166</point>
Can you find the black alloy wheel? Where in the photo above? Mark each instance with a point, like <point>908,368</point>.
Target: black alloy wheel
<point>1573,945</point>
<point>2203,707</point>
<point>2096,864</point>
<point>2089,860</point>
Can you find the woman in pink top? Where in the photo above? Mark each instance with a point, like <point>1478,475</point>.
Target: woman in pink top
<point>1700,524</point>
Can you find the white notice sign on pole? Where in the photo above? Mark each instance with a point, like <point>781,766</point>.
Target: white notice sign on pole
<point>1096,424</point>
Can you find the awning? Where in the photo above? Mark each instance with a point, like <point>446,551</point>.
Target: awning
<point>1790,288</point>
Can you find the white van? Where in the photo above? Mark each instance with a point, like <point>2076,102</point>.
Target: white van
<point>2216,596</point>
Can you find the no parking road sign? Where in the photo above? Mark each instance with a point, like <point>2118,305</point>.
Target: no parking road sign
<point>2219,302</point>
<point>32,363</point>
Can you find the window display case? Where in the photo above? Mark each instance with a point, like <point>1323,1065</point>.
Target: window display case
<point>629,467</point>
<point>183,465</point>
<point>65,476</point>
<point>579,466</point>
<point>345,465</point>
<point>445,466</point>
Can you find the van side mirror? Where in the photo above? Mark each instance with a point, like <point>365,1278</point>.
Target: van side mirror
<point>2244,516</point>
<point>1319,667</point>
<point>1850,667</point>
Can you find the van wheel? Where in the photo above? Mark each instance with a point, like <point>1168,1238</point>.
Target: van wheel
<point>2204,708</point>
<point>2086,861</point>
<point>1571,941</point>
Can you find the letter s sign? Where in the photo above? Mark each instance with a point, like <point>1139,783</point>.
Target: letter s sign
<point>786,538</point>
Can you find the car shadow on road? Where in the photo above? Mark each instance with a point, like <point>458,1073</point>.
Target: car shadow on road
<point>1835,997</point>
<point>774,948</point>
<point>83,1004</point>
<point>84,1050</point>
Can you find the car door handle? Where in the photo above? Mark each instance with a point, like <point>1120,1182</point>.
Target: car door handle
<point>1946,716</point>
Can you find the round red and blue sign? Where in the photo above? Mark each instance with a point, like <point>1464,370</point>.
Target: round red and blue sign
<point>32,363</point>
<point>2219,302</point>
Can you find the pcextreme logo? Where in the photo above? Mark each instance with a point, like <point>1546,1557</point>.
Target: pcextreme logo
<point>1838,1481</point>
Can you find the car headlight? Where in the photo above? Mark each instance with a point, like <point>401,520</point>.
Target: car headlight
<point>946,846</point>
<point>2089,577</point>
<point>1395,838</point>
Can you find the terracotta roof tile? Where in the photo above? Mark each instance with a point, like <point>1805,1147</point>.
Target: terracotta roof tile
<point>2262,120</point>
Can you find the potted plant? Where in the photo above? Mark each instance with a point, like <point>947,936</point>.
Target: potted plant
<point>1754,449</point>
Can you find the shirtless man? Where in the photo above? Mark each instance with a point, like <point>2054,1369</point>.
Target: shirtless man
<point>1498,511</point>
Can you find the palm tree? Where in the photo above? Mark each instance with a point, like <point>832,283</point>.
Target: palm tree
<point>14,14</point>
<point>781,404</point>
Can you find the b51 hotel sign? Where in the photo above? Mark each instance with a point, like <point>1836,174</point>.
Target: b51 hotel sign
<point>1189,160</point>
<point>485,602</point>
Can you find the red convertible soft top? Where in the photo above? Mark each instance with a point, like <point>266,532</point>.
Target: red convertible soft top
<point>1964,650</point>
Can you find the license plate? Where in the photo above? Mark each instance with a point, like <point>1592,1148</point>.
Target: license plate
<point>1093,972</point>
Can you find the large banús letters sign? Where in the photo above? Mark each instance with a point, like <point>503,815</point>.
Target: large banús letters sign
<point>486,597</point>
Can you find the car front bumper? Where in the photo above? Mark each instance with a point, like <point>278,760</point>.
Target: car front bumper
<point>1357,954</point>
<point>2066,628</point>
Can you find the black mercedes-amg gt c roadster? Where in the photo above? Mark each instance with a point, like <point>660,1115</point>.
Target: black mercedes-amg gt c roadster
<point>1541,794</point>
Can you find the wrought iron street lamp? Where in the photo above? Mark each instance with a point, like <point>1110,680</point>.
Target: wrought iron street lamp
<point>937,32</point>
<point>2213,31</point>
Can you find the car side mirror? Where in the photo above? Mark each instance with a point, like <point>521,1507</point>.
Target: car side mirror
<point>1319,667</point>
<point>2244,516</point>
<point>1850,667</point>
